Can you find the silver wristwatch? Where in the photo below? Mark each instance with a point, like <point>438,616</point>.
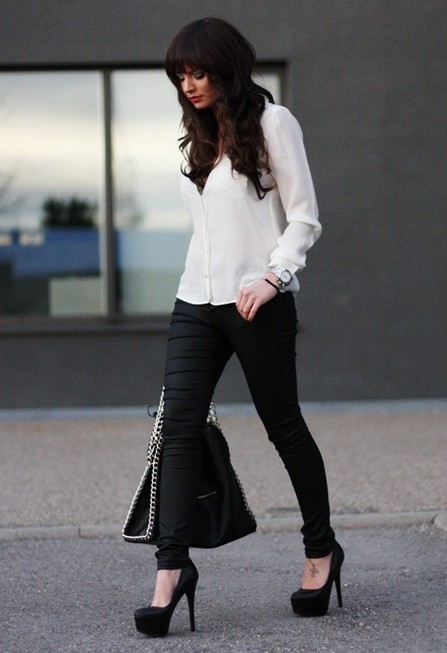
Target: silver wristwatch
<point>283,275</point>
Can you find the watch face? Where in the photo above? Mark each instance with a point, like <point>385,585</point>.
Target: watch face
<point>285,276</point>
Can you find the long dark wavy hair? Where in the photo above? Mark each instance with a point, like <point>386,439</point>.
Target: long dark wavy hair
<point>217,48</point>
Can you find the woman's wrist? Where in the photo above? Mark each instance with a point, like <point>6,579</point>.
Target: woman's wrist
<point>272,281</point>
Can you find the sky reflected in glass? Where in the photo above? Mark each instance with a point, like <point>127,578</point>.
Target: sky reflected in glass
<point>146,158</point>
<point>51,142</point>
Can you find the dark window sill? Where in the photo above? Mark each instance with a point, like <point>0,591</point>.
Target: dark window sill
<point>28,326</point>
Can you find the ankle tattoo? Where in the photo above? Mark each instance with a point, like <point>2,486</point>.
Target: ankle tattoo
<point>313,569</point>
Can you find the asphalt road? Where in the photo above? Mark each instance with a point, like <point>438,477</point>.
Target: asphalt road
<point>78,594</point>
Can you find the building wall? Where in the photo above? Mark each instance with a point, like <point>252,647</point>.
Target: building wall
<point>367,82</point>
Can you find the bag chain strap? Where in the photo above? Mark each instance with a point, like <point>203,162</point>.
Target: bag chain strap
<point>153,460</point>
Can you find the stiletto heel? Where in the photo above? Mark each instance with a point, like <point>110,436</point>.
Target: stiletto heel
<point>338,587</point>
<point>315,603</point>
<point>155,621</point>
<point>190,597</point>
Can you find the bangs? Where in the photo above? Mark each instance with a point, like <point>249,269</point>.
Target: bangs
<point>189,50</point>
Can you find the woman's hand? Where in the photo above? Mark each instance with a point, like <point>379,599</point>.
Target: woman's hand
<point>250,298</point>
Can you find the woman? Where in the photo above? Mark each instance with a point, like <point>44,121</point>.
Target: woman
<point>248,189</point>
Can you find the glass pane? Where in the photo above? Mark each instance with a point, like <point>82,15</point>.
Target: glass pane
<point>152,228</point>
<point>51,168</point>
<point>271,80</point>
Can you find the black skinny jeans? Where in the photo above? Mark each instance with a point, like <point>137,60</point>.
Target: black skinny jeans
<point>202,338</point>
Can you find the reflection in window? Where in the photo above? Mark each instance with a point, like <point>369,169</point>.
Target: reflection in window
<point>52,189</point>
<point>51,154</point>
<point>152,231</point>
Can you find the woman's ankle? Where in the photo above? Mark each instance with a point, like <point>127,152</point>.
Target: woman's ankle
<point>316,572</point>
<point>165,584</point>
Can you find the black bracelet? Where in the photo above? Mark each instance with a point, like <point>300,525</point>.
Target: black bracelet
<point>272,284</point>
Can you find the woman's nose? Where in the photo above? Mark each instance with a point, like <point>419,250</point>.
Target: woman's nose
<point>188,84</point>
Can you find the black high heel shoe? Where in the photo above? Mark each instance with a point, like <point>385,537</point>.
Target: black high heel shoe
<point>315,603</point>
<point>155,621</point>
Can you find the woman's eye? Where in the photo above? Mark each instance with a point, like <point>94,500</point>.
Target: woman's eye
<point>199,74</point>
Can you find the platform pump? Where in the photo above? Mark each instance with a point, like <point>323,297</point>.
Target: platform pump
<point>155,621</point>
<point>315,603</point>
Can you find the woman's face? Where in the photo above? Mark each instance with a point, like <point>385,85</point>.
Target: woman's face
<point>198,88</point>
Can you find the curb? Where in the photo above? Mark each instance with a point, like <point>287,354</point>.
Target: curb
<point>265,525</point>
<point>58,532</point>
<point>363,520</point>
<point>441,520</point>
<point>234,408</point>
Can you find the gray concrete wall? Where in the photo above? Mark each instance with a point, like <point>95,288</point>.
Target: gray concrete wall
<point>367,81</point>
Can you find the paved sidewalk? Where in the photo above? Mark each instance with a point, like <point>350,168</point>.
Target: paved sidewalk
<point>78,470</point>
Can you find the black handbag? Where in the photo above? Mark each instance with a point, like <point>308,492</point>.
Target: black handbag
<point>222,513</point>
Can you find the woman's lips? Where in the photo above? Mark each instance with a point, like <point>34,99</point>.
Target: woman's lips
<point>195,98</point>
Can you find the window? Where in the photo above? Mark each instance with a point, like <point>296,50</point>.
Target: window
<point>91,220</point>
<point>51,160</point>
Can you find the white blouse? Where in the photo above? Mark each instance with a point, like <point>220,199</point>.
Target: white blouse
<point>236,236</point>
